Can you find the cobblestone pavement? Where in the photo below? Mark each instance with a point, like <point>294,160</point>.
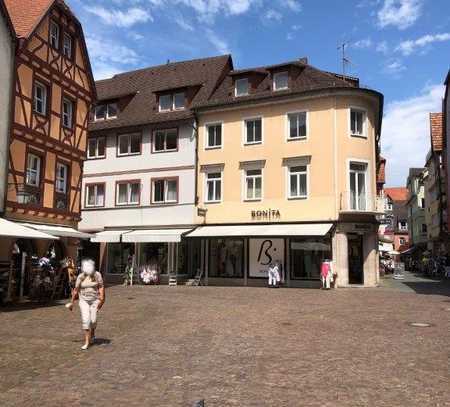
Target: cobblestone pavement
<point>242,347</point>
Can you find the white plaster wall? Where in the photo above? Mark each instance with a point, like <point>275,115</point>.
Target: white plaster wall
<point>6,78</point>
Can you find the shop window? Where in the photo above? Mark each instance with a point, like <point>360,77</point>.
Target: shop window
<point>226,258</point>
<point>307,256</point>
<point>154,255</point>
<point>297,126</point>
<point>96,147</point>
<point>119,254</point>
<point>129,144</point>
<point>253,131</point>
<point>165,140</point>
<point>214,135</point>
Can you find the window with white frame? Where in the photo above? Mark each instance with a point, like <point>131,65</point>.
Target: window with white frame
<point>128,193</point>
<point>241,87</point>
<point>213,187</point>
<point>214,135</point>
<point>95,195</point>
<point>357,122</point>
<point>33,174</point>
<point>253,179</point>
<point>67,112</point>
<point>297,125</point>
<point>165,140</point>
<point>96,147</point>
<point>358,188</point>
<point>54,35</point>
<point>62,171</point>
<point>253,131</point>
<point>297,181</point>
<point>129,144</point>
<point>169,102</point>
<point>105,111</point>
<point>67,45</point>
<point>403,225</point>
<point>165,190</point>
<point>40,98</point>
<point>280,81</point>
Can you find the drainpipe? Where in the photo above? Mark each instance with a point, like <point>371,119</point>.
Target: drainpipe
<point>195,127</point>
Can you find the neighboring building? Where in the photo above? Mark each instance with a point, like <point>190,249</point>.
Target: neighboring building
<point>446,136</point>
<point>416,208</point>
<point>287,171</point>
<point>54,89</point>
<point>385,219</point>
<point>397,199</point>
<point>435,189</point>
<point>7,48</point>
<point>139,184</point>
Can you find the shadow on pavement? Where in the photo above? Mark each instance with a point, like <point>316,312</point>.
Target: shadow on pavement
<point>431,287</point>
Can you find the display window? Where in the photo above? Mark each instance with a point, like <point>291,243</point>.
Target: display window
<point>306,257</point>
<point>226,258</point>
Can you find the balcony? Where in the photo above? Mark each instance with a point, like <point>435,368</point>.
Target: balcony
<point>361,204</point>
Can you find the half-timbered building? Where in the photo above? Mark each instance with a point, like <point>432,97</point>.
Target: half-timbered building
<point>52,97</point>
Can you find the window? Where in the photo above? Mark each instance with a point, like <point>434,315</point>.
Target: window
<point>306,257</point>
<point>165,140</point>
<point>95,195</point>
<point>402,241</point>
<point>253,131</point>
<point>54,35</point>
<point>253,184</point>
<point>297,126</point>
<point>403,225</point>
<point>214,135</point>
<point>422,203</point>
<point>424,228</point>
<point>172,102</point>
<point>165,191</point>
<point>358,199</point>
<point>40,98</point>
<point>33,175</point>
<point>128,193</point>
<point>357,122</point>
<point>67,113</point>
<point>62,171</point>
<point>226,258</point>
<point>280,81</point>
<point>129,144</point>
<point>388,205</point>
<point>298,181</point>
<point>67,45</point>
<point>105,111</point>
<point>96,147</point>
<point>241,87</point>
<point>213,187</point>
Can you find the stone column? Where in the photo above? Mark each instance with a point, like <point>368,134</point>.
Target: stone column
<point>340,258</point>
<point>371,269</point>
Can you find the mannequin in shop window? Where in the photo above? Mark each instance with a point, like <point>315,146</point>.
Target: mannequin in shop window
<point>274,272</point>
<point>326,274</point>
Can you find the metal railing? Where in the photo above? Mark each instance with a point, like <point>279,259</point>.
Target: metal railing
<point>363,202</point>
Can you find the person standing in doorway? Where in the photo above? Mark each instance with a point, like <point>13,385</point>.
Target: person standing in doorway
<point>90,291</point>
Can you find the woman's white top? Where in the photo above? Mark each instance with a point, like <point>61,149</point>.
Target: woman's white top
<point>88,287</point>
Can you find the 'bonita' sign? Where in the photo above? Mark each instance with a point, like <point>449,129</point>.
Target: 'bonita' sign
<point>266,214</point>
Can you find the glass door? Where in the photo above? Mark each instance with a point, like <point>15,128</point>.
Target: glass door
<point>358,195</point>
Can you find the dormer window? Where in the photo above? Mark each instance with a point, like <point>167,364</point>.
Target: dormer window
<point>54,35</point>
<point>169,102</point>
<point>241,87</point>
<point>105,111</point>
<point>280,81</point>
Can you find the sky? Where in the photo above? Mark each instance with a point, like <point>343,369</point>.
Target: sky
<point>400,48</point>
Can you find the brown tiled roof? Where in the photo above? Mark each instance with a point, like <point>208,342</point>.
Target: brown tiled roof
<point>436,131</point>
<point>381,171</point>
<point>26,14</point>
<point>303,78</point>
<point>397,194</point>
<point>201,76</point>
<point>4,11</point>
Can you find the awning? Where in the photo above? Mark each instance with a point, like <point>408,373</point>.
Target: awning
<point>13,229</point>
<point>109,236</point>
<point>60,231</point>
<point>311,229</point>
<point>155,235</point>
<point>385,247</point>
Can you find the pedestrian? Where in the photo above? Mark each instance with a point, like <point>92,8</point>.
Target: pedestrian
<point>90,291</point>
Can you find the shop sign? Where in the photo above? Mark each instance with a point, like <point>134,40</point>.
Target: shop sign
<point>201,212</point>
<point>266,214</point>
<point>262,253</point>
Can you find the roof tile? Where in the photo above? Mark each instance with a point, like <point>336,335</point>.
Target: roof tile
<point>26,14</point>
<point>397,194</point>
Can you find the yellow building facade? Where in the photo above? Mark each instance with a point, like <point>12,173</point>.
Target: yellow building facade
<point>288,176</point>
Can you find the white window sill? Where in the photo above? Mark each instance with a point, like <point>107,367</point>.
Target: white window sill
<point>212,202</point>
<point>252,200</point>
<point>293,198</point>
<point>128,155</point>
<point>213,147</point>
<point>252,143</point>
<point>358,135</point>
<point>297,138</point>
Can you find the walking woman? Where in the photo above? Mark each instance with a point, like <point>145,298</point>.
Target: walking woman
<point>90,291</point>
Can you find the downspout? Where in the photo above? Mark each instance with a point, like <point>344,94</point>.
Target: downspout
<point>195,127</point>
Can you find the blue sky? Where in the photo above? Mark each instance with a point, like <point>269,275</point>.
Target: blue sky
<point>398,47</point>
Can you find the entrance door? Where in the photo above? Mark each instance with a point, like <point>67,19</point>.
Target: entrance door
<point>355,259</point>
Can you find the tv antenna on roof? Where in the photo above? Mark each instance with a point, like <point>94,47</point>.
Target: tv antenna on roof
<point>344,59</point>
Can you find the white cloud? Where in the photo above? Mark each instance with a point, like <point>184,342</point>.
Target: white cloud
<point>219,44</point>
<point>410,46</point>
<point>273,15</point>
<point>120,18</point>
<point>399,13</point>
<point>185,25</point>
<point>382,47</point>
<point>364,43</point>
<point>394,68</point>
<point>293,5</point>
<point>406,135</point>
